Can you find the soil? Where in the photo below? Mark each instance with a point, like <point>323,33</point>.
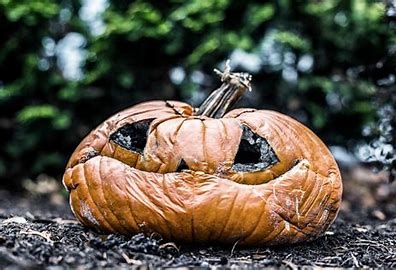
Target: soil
<point>38,230</point>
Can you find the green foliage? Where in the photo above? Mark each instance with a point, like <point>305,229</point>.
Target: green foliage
<point>257,14</point>
<point>147,22</point>
<point>321,62</point>
<point>292,41</point>
<point>196,15</point>
<point>29,11</point>
<point>32,113</point>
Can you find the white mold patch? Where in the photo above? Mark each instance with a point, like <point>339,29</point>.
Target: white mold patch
<point>287,225</point>
<point>87,214</point>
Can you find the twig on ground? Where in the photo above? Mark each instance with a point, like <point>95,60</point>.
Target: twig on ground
<point>130,261</point>
<point>45,234</point>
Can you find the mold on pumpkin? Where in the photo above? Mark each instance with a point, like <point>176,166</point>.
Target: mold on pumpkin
<point>205,175</point>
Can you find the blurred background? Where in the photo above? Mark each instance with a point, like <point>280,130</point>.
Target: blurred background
<point>65,66</point>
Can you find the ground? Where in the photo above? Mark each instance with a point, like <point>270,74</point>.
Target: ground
<point>37,229</point>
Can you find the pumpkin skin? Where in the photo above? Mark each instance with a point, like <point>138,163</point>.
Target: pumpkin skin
<point>255,177</point>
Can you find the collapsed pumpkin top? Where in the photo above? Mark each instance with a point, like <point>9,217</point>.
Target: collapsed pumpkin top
<point>221,100</point>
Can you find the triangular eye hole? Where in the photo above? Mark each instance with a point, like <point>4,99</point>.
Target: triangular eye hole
<point>132,136</point>
<point>254,153</point>
<point>182,166</point>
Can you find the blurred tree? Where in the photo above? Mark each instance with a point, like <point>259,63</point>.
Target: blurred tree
<point>24,25</point>
<point>68,65</point>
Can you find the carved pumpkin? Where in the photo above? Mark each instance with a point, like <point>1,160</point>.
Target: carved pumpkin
<point>255,177</point>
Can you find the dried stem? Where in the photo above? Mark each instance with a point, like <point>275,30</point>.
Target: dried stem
<point>221,100</point>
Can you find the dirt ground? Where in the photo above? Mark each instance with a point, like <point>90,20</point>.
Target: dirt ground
<point>37,229</point>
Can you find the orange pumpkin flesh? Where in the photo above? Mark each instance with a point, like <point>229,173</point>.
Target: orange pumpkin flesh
<point>255,177</point>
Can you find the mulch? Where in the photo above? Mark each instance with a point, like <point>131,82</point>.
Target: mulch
<point>39,231</point>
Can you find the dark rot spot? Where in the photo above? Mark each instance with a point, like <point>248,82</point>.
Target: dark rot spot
<point>88,155</point>
<point>254,153</point>
<point>132,136</point>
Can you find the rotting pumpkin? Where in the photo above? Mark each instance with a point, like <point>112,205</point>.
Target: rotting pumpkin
<point>205,175</point>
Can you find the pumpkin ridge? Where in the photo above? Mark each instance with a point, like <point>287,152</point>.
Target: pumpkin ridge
<point>158,157</point>
<point>193,211</point>
<point>229,213</point>
<point>161,120</point>
<point>78,212</point>
<point>88,204</point>
<point>98,170</point>
<point>309,202</point>
<point>276,231</point>
<point>101,167</point>
<point>131,210</point>
<point>224,165</point>
<point>317,194</point>
<point>291,226</point>
<point>206,159</point>
<point>129,195</point>
<point>168,194</point>
<point>258,222</point>
<point>176,132</point>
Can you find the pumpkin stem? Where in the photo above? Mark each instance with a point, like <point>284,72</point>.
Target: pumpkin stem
<point>221,100</point>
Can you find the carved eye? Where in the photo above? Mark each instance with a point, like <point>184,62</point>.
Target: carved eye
<point>132,136</point>
<point>254,153</point>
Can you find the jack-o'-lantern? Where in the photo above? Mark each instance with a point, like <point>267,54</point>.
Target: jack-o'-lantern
<point>205,175</point>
